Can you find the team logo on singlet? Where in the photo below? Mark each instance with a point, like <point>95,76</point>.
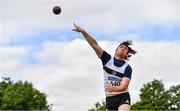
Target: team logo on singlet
<point>114,73</point>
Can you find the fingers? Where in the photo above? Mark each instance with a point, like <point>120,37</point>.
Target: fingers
<point>75,27</point>
<point>109,88</point>
<point>76,30</point>
<point>74,24</point>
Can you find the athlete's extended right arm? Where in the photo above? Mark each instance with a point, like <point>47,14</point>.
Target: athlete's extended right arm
<point>93,43</point>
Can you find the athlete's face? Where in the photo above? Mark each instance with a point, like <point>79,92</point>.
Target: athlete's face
<point>122,51</point>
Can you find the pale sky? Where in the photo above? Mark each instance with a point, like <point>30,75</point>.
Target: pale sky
<point>40,47</point>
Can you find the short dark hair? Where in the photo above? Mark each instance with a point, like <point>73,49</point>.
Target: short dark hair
<point>131,51</point>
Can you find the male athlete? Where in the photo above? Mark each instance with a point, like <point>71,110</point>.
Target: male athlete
<point>117,72</point>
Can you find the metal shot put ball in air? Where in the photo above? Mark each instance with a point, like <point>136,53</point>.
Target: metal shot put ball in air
<point>56,10</point>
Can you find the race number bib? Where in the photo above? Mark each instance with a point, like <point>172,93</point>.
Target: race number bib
<point>114,81</point>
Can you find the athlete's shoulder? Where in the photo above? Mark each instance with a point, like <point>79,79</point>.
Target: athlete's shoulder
<point>105,57</point>
<point>129,68</point>
<point>128,71</point>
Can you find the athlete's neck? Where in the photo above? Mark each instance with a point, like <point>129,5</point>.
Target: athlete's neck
<point>119,57</point>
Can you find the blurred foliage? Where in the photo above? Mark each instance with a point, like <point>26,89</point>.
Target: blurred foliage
<point>99,106</point>
<point>153,96</point>
<point>21,96</point>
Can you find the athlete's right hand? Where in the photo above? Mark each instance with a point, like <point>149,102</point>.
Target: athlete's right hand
<point>78,28</point>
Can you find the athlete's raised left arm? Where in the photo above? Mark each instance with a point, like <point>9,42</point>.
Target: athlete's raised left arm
<point>122,87</point>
